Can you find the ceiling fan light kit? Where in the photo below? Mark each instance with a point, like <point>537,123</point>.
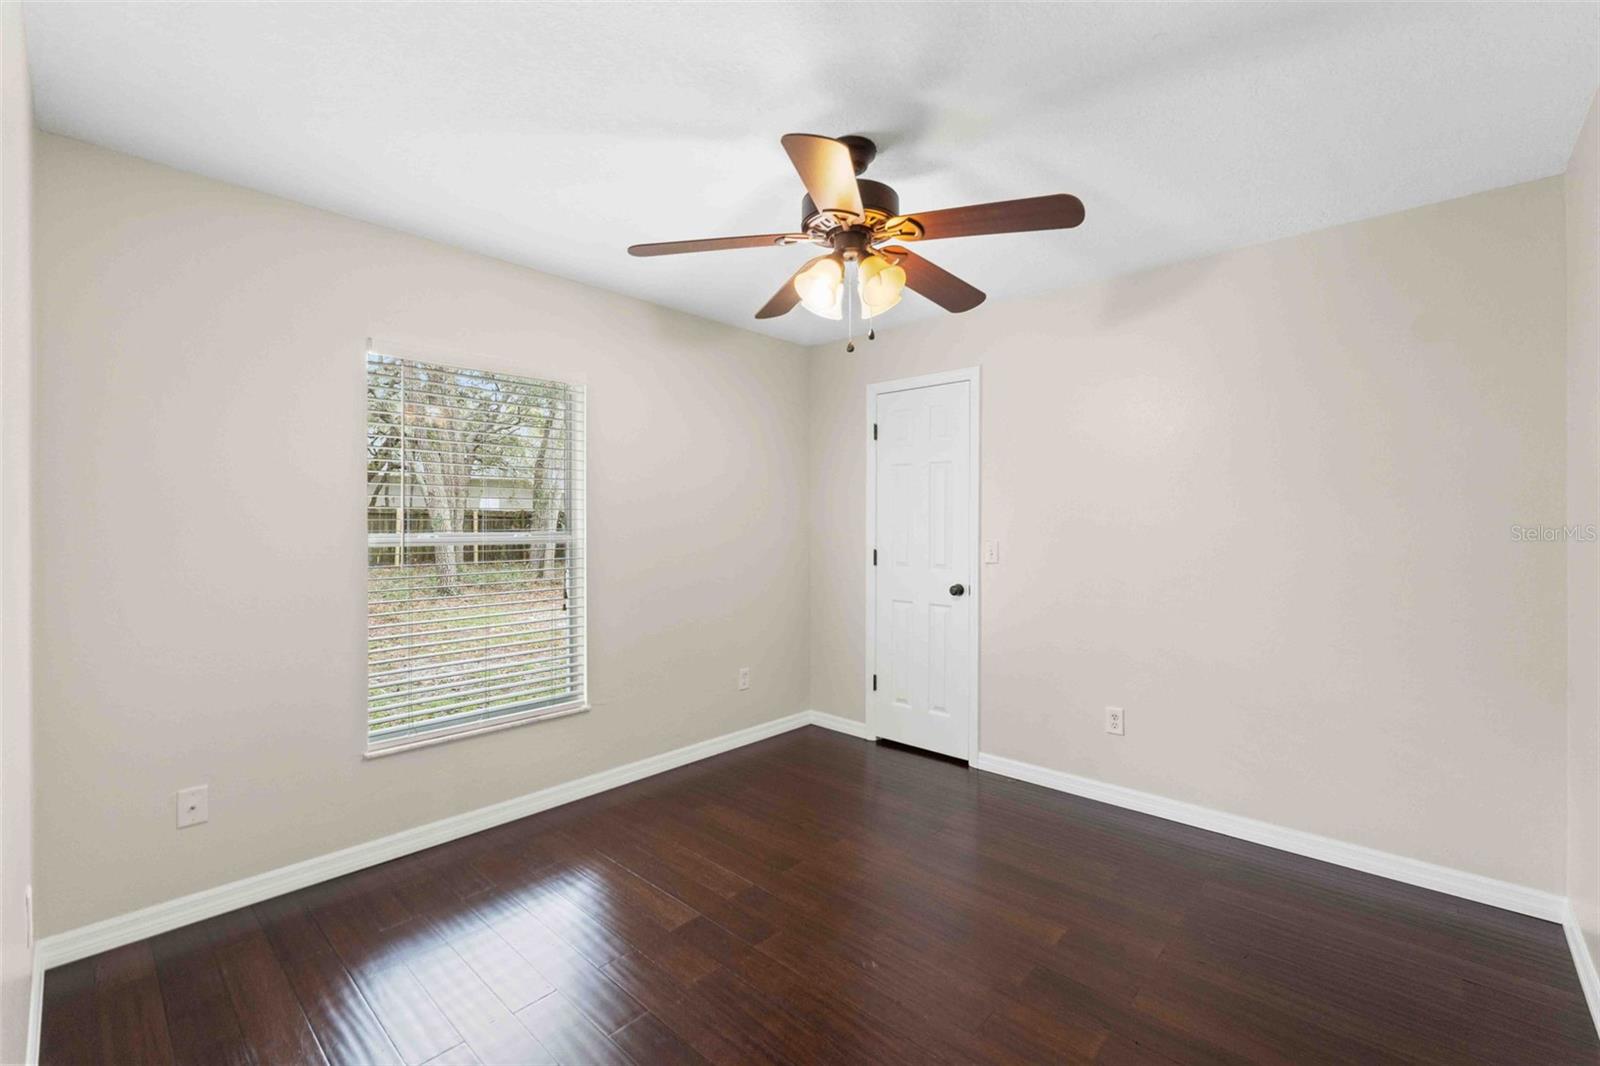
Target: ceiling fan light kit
<point>821,286</point>
<point>858,220</point>
<point>880,285</point>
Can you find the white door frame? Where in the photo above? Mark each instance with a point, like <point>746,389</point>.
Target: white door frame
<point>972,376</point>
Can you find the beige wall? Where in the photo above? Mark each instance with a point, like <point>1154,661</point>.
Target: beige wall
<point>200,491</point>
<point>1264,502</point>
<point>16,397</point>
<point>1582,188</point>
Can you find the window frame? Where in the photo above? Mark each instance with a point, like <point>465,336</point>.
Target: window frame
<point>574,539</point>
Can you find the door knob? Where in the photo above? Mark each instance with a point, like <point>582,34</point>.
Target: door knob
<point>956,590</point>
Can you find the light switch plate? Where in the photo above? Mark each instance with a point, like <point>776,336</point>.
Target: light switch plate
<point>991,551</point>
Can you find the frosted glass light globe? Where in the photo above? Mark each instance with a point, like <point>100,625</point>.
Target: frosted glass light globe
<point>880,284</point>
<point>821,285</point>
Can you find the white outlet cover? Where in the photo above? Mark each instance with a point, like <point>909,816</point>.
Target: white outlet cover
<point>193,806</point>
<point>744,678</point>
<point>1116,722</point>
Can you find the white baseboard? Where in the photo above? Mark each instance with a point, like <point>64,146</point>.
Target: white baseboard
<point>80,943</point>
<point>1588,976</point>
<point>101,936</point>
<point>35,1008</point>
<point>848,726</point>
<point>1476,887</point>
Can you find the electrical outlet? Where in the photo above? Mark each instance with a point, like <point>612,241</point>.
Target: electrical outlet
<point>991,551</point>
<point>194,806</point>
<point>744,678</point>
<point>1114,721</point>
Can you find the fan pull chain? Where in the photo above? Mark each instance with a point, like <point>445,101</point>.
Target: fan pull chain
<point>872,334</point>
<point>849,316</point>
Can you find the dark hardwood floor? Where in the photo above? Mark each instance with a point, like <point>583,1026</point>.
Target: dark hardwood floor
<point>815,898</point>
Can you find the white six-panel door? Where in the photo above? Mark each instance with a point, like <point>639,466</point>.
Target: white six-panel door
<point>923,599</point>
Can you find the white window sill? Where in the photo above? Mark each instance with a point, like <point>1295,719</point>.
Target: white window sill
<point>475,729</point>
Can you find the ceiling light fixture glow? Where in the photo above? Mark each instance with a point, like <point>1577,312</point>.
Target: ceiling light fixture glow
<point>880,284</point>
<point>821,286</point>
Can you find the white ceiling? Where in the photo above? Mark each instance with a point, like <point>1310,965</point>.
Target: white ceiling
<point>556,135</point>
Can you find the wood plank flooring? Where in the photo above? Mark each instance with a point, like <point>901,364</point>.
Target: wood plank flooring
<point>815,898</point>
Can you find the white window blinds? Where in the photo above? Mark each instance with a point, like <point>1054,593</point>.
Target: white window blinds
<point>475,553</point>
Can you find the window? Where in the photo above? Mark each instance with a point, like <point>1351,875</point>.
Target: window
<point>474,550</point>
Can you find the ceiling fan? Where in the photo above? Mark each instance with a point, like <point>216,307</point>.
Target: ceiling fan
<point>860,223</point>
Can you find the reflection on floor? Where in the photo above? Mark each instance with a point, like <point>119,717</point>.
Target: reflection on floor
<point>816,898</point>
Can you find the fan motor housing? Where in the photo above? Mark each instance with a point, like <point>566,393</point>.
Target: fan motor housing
<point>880,201</point>
<point>862,151</point>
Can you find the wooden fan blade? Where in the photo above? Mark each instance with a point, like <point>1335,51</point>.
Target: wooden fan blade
<point>825,168</point>
<point>936,283</point>
<point>715,244</point>
<point>784,300</point>
<point>1059,211</point>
